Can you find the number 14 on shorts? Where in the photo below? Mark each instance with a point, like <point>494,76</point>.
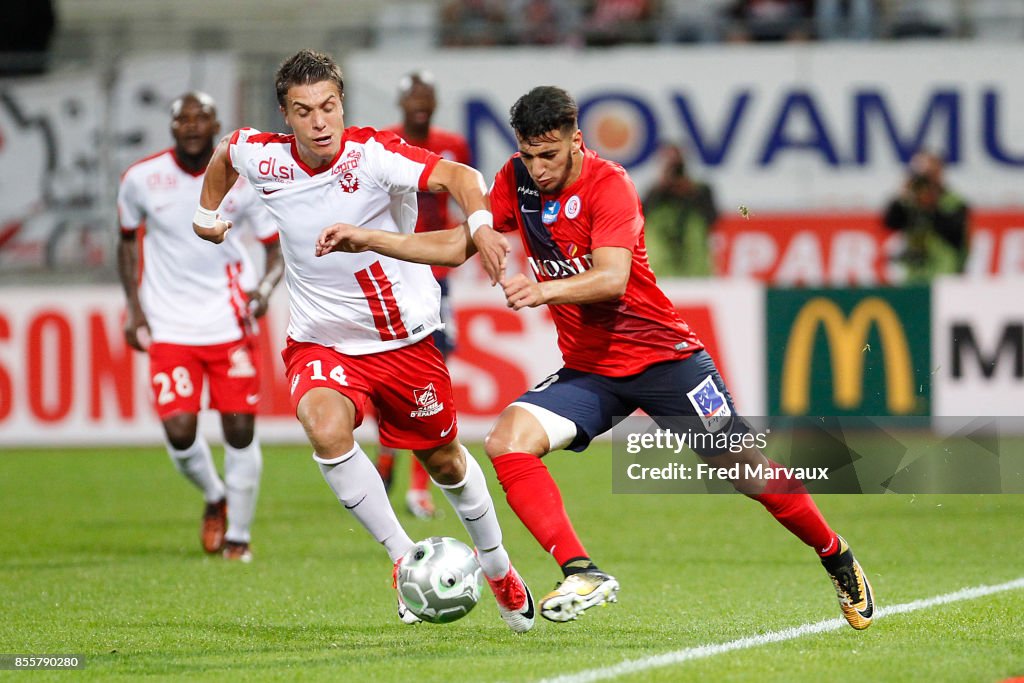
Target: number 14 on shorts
<point>337,373</point>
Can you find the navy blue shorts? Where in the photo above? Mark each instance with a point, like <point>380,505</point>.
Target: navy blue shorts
<point>681,393</point>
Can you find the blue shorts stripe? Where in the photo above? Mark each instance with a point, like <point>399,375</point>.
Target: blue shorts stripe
<point>596,403</point>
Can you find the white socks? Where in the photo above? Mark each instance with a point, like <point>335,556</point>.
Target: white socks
<point>358,486</point>
<point>196,464</point>
<point>242,469</point>
<point>472,501</point>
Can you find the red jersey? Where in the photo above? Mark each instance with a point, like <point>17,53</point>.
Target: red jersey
<point>433,207</point>
<point>601,208</point>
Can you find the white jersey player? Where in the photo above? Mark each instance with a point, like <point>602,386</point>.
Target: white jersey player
<point>360,323</point>
<point>363,303</point>
<point>194,313</point>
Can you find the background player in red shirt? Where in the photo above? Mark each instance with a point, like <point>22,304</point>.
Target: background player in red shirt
<point>417,97</point>
<point>623,345</point>
<point>193,306</point>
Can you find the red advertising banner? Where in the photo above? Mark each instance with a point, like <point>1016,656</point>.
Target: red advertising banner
<point>68,378</point>
<point>850,249</point>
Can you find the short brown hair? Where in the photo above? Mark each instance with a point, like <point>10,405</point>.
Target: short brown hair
<point>304,68</point>
<point>542,110</point>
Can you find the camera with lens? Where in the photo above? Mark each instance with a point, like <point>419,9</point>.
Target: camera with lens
<point>919,182</point>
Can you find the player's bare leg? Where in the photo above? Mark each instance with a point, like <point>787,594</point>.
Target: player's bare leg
<point>790,503</point>
<point>515,446</point>
<point>458,475</point>
<point>243,465</point>
<point>191,456</point>
<point>329,420</point>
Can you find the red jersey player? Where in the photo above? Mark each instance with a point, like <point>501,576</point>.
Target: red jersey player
<point>623,345</point>
<point>360,325</point>
<point>417,97</point>
<point>196,303</point>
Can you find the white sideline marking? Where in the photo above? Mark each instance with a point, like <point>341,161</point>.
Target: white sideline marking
<point>631,666</point>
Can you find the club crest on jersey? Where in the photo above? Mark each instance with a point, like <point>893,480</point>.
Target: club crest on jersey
<point>710,404</point>
<point>550,214</point>
<point>426,402</point>
<point>348,182</point>
<point>572,207</point>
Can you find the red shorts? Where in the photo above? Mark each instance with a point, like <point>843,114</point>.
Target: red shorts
<point>177,373</point>
<point>409,387</point>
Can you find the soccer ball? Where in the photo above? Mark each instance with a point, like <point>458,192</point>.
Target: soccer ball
<point>439,579</point>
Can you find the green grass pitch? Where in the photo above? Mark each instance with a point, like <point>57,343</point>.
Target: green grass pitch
<point>99,556</point>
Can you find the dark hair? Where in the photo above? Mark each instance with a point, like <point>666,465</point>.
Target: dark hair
<point>304,68</point>
<point>542,110</point>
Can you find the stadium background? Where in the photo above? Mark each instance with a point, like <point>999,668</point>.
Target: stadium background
<point>810,136</point>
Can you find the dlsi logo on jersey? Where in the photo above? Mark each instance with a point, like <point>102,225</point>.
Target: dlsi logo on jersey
<point>426,400</point>
<point>161,181</point>
<point>272,169</point>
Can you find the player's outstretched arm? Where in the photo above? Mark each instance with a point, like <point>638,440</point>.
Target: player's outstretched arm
<point>436,248</point>
<point>259,298</point>
<point>467,186</point>
<point>136,327</point>
<point>219,178</point>
<point>604,281</point>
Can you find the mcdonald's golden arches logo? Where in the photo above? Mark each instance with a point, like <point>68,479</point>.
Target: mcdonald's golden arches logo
<point>847,338</point>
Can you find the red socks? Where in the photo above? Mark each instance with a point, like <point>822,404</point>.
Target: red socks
<point>418,476</point>
<point>534,497</point>
<point>789,502</point>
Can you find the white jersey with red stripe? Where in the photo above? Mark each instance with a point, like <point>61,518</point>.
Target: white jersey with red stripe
<point>353,303</point>
<point>192,291</point>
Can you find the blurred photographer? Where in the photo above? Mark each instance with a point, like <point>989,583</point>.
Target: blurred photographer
<point>680,214</point>
<point>933,220</point>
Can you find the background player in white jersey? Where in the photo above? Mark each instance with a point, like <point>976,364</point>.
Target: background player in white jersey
<point>193,312</point>
<point>360,324</point>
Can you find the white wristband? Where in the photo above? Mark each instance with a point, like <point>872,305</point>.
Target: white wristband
<point>204,218</point>
<point>478,219</point>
